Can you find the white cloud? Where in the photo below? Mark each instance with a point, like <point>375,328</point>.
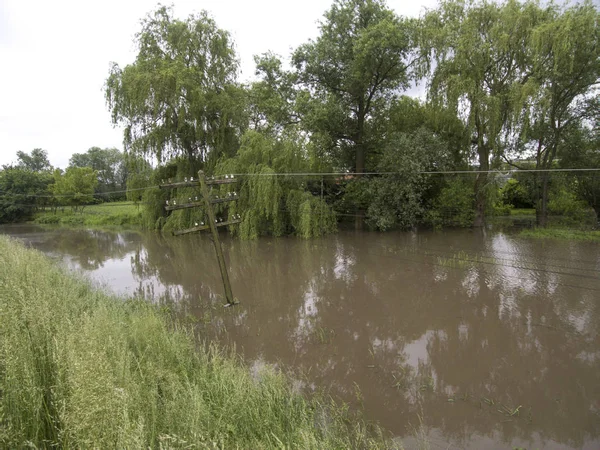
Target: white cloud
<point>56,57</point>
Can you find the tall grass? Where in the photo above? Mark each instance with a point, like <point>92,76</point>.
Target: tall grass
<point>112,214</point>
<point>81,369</point>
<point>560,233</point>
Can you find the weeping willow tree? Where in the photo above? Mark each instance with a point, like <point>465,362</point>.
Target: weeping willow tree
<point>271,202</point>
<point>478,51</point>
<point>179,98</point>
<point>179,103</point>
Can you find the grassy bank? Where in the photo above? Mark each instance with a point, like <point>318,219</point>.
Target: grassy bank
<point>522,212</point>
<point>559,233</point>
<point>80,369</point>
<point>118,214</point>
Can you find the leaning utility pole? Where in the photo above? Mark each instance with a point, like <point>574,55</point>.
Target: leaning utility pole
<point>213,222</point>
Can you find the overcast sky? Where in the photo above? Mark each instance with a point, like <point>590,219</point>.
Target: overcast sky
<point>55,58</point>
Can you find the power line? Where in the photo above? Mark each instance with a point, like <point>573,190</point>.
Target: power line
<point>348,174</point>
<point>420,172</point>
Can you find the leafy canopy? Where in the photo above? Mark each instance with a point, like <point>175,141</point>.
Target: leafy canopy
<point>75,187</point>
<point>179,97</point>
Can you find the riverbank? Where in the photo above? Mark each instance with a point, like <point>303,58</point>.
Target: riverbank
<point>81,368</point>
<point>562,233</point>
<point>113,214</point>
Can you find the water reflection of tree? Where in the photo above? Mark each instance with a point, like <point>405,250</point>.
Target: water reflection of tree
<point>89,249</point>
<point>339,311</point>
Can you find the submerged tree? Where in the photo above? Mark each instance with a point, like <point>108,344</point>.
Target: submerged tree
<point>581,150</point>
<point>478,51</point>
<point>565,73</point>
<point>269,201</point>
<point>179,97</point>
<point>356,66</point>
<point>399,199</point>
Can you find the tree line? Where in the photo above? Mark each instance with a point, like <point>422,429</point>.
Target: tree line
<point>506,86</point>
<point>32,183</point>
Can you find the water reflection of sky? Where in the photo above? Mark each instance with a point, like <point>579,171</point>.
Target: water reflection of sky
<point>410,320</point>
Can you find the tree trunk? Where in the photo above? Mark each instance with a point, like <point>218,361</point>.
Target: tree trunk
<point>597,211</point>
<point>542,209</point>
<point>480,200</point>
<point>480,182</point>
<point>360,163</point>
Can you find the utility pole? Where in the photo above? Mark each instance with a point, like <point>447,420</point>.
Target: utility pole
<point>213,222</point>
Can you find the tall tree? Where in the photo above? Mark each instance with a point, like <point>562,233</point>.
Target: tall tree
<point>179,97</point>
<point>581,149</point>
<point>565,73</point>
<point>356,66</point>
<point>21,191</point>
<point>109,164</point>
<point>478,54</point>
<point>272,99</point>
<point>36,161</point>
<point>75,187</point>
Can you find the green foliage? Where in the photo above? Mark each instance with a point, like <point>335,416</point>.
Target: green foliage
<point>19,193</point>
<point>36,161</point>
<point>109,164</point>
<point>82,369</point>
<point>75,187</point>
<point>272,204</point>
<point>558,233</point>
<point>272,99</point>
<point>515,193</point>
<point>139,174</point>
<point>113,214</point>
<point>179,97</point>
<point>398,200</point>
<point>563,66</point>
<point>481,72</point>
<point>581,149</point>
<point>354,68</point>
<point>564,202</point>
<point>454,206</point>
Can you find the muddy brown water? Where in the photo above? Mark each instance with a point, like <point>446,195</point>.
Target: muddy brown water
<point>476,339</point>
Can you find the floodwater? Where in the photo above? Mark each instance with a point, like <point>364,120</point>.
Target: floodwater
<point>475,339</point>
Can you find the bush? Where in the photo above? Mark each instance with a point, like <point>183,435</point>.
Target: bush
<point>454,206</point>
<point>48,219</point>
<point>515,193</point>
<point>573,211</point>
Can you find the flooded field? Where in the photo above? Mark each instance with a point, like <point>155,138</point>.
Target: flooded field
<point>468,339</point>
